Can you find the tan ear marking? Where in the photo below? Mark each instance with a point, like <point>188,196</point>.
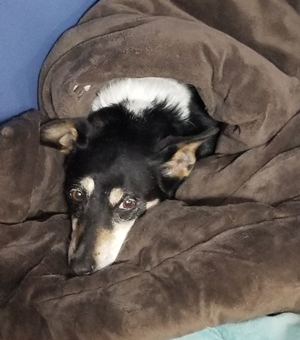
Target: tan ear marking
<point>182,162</point>
<point>68,140</point>
<point>63,134</point>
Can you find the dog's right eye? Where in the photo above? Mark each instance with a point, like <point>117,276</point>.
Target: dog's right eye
<point>76,195</point>
<point>127,204</point>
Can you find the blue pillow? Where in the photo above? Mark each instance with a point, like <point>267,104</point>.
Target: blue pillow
<point>28,30</point>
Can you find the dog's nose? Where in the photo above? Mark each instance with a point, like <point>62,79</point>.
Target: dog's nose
<point>82,266</point>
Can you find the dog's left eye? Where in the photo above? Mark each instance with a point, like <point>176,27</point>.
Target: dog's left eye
<point>127,204</point>
<point>76,195</point>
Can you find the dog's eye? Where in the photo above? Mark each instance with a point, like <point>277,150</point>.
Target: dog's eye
<point>76,195</point>
<point>127,204</point>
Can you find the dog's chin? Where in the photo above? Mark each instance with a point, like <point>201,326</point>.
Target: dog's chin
<point>105,261</point>
<point>109,244</point>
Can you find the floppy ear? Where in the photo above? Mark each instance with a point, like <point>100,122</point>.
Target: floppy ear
<point>181,161</point>
<point>64,134</point>
<point>178,159</point>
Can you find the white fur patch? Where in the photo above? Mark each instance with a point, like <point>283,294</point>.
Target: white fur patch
<point>115,195</point>
<point>109,243</point>
<point>137,94</point>
<point>88,184</point>
<point>152,203</point>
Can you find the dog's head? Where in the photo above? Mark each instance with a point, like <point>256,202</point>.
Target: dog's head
<point>116,169</point>
<point>132,152</point>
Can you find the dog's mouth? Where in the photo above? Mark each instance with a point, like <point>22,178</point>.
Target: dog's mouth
<point>87,257</point>
<point>109,243</point>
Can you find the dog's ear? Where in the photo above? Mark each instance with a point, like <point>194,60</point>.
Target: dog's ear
<point>65,134</point>
<point>178,158</point>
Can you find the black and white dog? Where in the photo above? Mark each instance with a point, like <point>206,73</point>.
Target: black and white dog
<point>139,143</point>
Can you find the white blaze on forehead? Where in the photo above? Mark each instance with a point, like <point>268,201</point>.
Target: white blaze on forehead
<point>115,196</point>
<point>138,94</point>
<point>88,184</point>
<point>109,243</point>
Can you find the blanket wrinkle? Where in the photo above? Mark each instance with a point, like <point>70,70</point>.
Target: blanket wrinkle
<point>273,38</point>
<point>229,222</point>
<point>18,282</point>
<point>17,128</point>
<point>156,265</point>
<point>296,198</point>
<point>27,273</point>
<point>286,157</point>
<point>245,164</point>
<point>80,289</point>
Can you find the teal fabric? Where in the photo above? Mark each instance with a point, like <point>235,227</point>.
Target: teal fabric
<point>280,327</point>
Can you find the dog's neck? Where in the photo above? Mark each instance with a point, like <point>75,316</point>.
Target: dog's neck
<point>136,94</point>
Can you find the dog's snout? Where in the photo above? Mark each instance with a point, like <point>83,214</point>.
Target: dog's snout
<point>82,265</point>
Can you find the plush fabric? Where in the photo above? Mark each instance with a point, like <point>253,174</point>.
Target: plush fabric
<point>228,248</point>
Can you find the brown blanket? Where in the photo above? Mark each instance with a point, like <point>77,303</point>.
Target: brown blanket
<point>228,249</point>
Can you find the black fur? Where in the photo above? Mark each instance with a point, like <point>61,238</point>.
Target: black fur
<point>119,149</point>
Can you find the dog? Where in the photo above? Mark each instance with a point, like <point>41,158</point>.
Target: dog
<point>140,141</point>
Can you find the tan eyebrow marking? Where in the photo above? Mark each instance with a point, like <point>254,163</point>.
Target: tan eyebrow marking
<point>88,184</point>
<point>115,196</point>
